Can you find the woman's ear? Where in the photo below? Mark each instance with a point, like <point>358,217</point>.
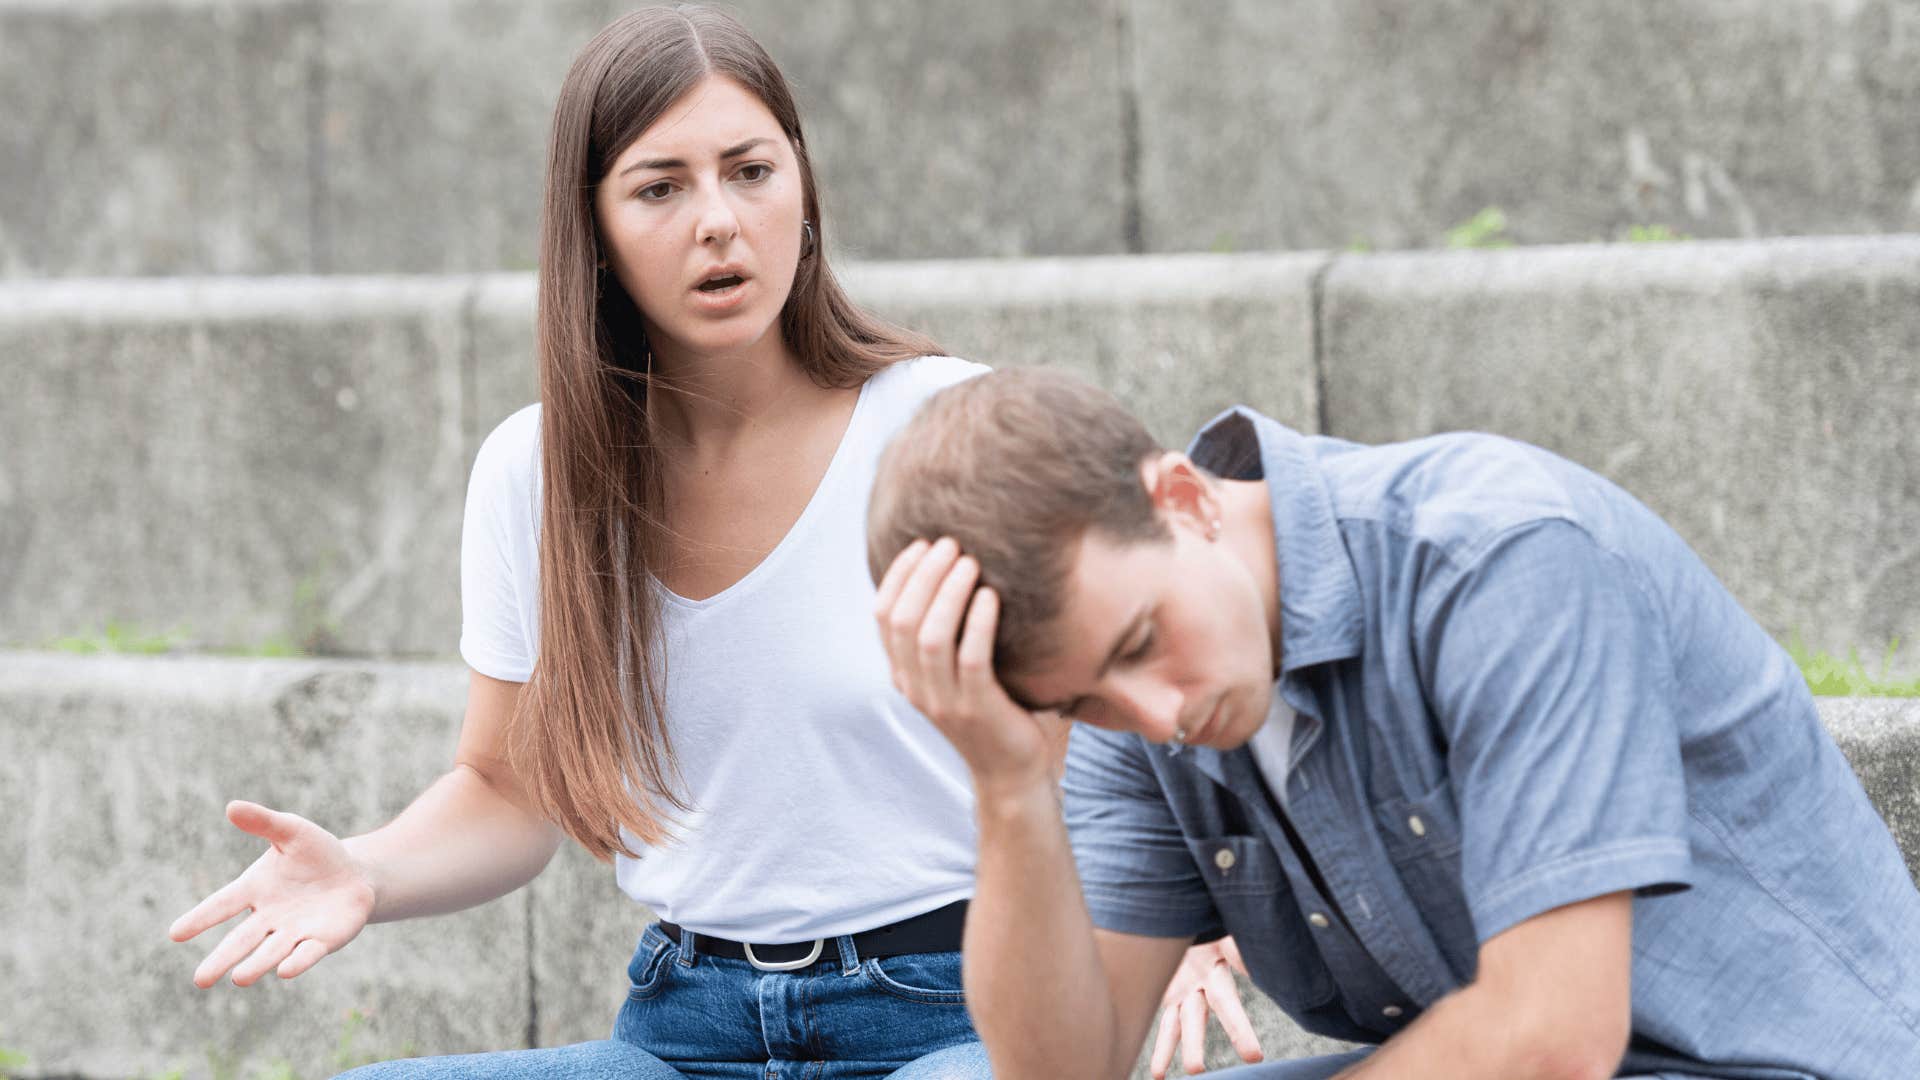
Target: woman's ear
<point>1182,493</point>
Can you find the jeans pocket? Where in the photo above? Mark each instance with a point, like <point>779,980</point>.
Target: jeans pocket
<point>652,963</point>
<point>928,978</point>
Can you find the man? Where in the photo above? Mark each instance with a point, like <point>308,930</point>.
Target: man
<point>1470,754</point>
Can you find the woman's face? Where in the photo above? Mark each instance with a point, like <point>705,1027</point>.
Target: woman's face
<point>700,220</point>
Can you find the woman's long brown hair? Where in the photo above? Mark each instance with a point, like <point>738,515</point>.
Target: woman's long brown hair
<point>589,740</point>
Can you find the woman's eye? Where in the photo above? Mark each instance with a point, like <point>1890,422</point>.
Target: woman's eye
<point>755,173</point>
<point>655,192</point>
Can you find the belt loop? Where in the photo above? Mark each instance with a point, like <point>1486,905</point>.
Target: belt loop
<point>687,950</point>
<point>849,958</point>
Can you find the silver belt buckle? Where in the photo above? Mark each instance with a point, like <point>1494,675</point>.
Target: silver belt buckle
<point>785,965</point>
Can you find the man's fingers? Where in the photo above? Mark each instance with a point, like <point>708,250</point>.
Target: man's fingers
<point>1163,1042</point>
<point>909,609</point>
<point>1193,1034</point>
<point>1232,952</point>
<point>975,658</point>
<point>941,628</point>
<point>239,941</point>
<point>896,576</point>
<point>1223,995</point>
<point>304,955</point>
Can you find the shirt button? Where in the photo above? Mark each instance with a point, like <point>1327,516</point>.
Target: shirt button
<point>1223,858</point>
<point>1418,827</point>
<point>1319,921</point>
<point>1390,1012</point>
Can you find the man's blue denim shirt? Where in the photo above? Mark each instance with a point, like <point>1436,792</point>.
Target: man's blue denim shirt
<point>1516,688</point>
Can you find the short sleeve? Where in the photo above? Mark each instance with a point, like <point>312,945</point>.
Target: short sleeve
<point>1135,869</point>
<point>497,571</point>
<point>1549,671</point>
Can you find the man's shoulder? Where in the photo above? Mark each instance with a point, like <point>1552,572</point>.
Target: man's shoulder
<point>1456,492</point>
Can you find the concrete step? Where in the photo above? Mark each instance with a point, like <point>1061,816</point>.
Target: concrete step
<point>366,136</point>
<point>271,464</point>
<point>114,771</point>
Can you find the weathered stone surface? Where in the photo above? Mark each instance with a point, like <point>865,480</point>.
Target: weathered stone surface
<point>1384,122</point>
<point>956,128</point>
<point>234,464</point>
<point>433,123</point>
<point>1763,398</point>
<point>157,137</point>
<point>585,931</point>
<point>1178,337</point>
<point>1881,738</point>
<point>254,136</point>
<point>115,773</point>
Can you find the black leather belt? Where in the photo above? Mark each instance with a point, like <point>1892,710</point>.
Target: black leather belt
<point>938,930</point>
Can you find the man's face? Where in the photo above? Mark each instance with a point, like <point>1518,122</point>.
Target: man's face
<point>1159,637</point>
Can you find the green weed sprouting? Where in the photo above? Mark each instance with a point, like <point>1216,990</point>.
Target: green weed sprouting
<point>1654,234</point>
<point>1829,676</point>
<point>119,637</point>
<point>1486,229</point>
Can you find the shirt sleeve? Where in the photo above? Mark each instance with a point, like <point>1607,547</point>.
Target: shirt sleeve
<point>1136,872</point>
<point>1550,674</point>
<point>493,636</point>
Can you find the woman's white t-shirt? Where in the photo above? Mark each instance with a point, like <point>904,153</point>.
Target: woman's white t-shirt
<point>823,803</point>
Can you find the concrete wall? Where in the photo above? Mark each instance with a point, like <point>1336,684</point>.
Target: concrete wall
<point>241,463</point>
<point>235,463</point>
<point>363,136</point>
<point>114,772</point>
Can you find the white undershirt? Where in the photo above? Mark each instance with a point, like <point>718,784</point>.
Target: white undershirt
<point>823,803</point>
<point>1272,746</point>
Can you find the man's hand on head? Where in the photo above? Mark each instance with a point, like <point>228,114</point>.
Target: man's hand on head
<point>938,623</point>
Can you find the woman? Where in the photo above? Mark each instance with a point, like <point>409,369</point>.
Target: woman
<point>669,620</point>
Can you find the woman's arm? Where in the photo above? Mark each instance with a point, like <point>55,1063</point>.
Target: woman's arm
<point>471,836</point>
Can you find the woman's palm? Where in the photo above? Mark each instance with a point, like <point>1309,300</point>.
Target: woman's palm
<point>307,897</point>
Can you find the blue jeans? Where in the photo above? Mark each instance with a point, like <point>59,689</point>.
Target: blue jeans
<point>689,1015</point>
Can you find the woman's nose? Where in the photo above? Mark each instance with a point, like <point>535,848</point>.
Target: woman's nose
<point>717,223</point>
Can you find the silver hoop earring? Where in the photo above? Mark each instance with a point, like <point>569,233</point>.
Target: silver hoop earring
<point>806,238</point>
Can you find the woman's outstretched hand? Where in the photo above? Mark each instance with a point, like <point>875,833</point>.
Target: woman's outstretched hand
<point>306,897</point>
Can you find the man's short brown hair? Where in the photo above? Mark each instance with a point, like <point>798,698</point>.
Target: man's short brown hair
<point>1017,467</point>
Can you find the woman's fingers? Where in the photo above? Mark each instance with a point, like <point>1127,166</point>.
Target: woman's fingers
<point>224,904</point>
<point>304,955</point>
<point>274,949</point>
<point>1223,996</point>
<point>276,827</point>
<point>239,941</point>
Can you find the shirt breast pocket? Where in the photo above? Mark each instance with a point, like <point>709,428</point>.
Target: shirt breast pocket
<point>1256,905</point>
<point>1422,836</point>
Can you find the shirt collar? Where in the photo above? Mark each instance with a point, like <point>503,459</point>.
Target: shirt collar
<point>1319,593</point>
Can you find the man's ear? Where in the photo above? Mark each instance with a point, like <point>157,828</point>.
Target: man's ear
<point>1181,492</point>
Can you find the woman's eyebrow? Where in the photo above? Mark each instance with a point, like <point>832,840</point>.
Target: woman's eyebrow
<point>676,163</point>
